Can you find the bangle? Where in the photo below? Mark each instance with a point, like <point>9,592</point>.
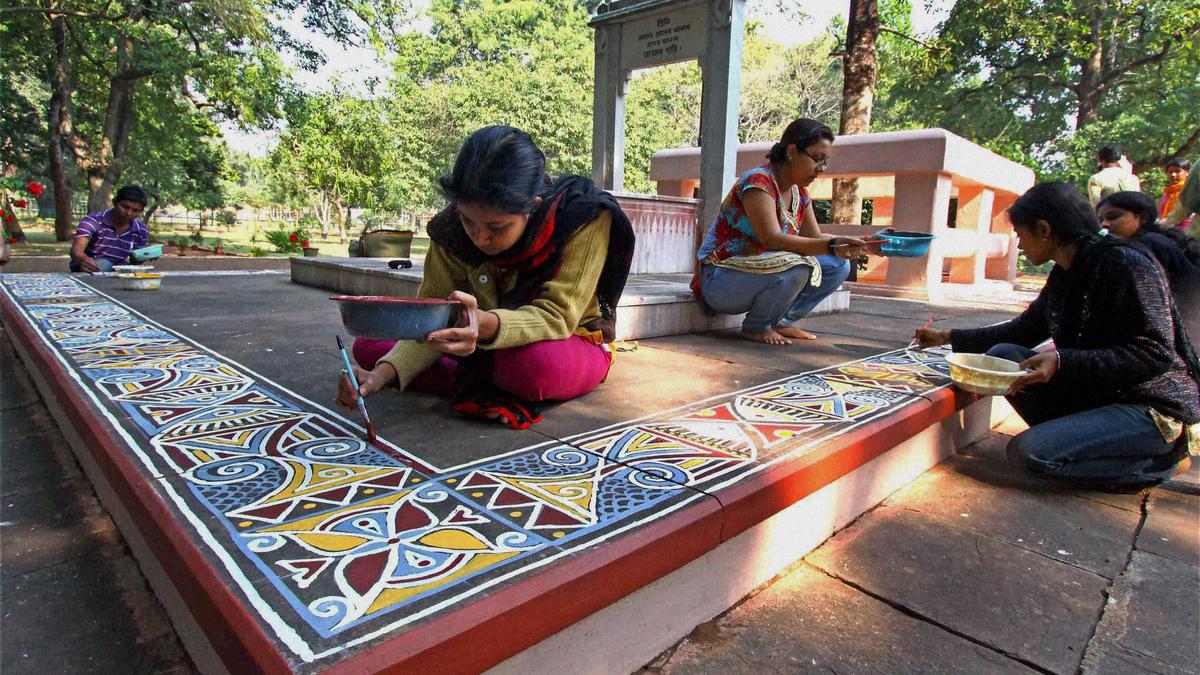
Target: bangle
<point>829,245</point>
<point>1057,360</point>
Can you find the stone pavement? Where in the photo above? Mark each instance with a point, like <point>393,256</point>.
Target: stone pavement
<point>973,569</point>
<point>74,599</point>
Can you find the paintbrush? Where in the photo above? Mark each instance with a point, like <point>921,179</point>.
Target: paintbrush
<point>362,405</point>
<point>914,344</point>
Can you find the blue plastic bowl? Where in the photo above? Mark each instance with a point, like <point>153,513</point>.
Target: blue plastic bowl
<point>387,318</point>
<point>905,244</point>
<point>146,253</point>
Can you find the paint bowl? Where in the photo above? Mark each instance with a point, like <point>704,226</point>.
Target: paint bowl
<point>146,253</point>
<point>898,244</point>
<point>982,374</point>
<point>140,281</point>
<point>388,318</point>
<point>132,269</point>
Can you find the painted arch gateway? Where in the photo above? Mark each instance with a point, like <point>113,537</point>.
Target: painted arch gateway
<point>299,546</point>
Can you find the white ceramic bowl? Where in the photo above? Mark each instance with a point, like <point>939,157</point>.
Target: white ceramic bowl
<point>140,282</point>
<point>982,374</point>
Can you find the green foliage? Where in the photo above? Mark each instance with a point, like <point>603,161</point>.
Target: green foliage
<point>1045,82</point>
<point>287,240</point>
<point>258,252</point>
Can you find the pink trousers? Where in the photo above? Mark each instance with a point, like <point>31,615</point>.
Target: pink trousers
<point>554,370</point>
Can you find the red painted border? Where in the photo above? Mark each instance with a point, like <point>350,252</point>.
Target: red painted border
<point>753,500</point>
<point>496,626</point>
<point>234,632</point>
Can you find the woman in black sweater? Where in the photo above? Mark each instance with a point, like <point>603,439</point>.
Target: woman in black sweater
<point>1116,403</point>
<point>1131,215</point>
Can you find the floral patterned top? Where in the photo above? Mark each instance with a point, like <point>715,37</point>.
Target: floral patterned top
<point>731,233</point>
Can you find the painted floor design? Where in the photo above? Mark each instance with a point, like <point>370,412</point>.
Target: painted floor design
<point>334,542</point>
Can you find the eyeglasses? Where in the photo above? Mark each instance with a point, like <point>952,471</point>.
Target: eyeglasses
<point>822,164</point>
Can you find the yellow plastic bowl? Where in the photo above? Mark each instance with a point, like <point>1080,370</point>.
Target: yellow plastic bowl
<point>140,282</point>
<point>982,374</point>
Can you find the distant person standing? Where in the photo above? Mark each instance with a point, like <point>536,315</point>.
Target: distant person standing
<point>1177,173</point>
<point>105,238</point>
<point>1187,204</point>
<point>1112,176</point>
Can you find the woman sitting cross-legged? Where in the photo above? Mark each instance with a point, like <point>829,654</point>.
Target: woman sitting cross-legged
<point>1131,216</point>
<point>538,265</point>
<point>1116,404</point>
<point>765,254</point>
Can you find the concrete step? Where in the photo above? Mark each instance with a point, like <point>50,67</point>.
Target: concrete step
<point>653,305</point>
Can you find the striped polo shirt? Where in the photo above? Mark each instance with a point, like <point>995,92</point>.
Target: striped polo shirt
<point>104,240</point>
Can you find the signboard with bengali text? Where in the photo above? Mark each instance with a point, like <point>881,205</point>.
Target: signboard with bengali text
<point>674,35</point>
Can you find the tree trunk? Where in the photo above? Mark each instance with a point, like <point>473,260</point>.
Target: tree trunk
<point>1091,69</point>
<point>341,219</point>
<point>59,96</point>
<point>14,225</point>
<point>859,72</point>
<point>105,172</point>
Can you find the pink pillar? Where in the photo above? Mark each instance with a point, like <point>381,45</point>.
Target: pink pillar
<point>883,210</point>
<point>922,205</point>
<point>1003,268</point>
<point>974,215</point>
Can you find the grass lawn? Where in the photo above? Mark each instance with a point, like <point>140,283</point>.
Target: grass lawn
<point>241,239</point>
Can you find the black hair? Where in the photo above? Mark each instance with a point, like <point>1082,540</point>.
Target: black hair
<point>1136,203</point>
<point>1062,205</point>
<point>801,133</point>
<point>131,193</point>
<point>498,166</point>
<point>1110,154</point>
<point>1179,162</point>
<point>1143,207</point>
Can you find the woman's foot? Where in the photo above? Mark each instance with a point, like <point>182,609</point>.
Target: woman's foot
<point>766,336</point>
<point>795,332</point>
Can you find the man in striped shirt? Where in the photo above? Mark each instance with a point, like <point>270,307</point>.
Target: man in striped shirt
<point>105,238</point>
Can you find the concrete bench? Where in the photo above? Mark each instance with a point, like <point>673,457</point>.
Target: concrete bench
<point>280,542</point>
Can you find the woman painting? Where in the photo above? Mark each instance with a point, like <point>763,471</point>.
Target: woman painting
<point>538,265</point>
<point>1116,404</point>
<point>764,254</point>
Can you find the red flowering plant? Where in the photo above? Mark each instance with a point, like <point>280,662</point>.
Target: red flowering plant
<point>9,203</point>
<point>288,240</point>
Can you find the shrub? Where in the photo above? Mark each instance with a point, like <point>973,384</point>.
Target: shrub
<point>287,241</point>
<point>258,252</point>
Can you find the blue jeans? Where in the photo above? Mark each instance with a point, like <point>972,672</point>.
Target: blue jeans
<point>1116,444</point>
<point>770,299</point>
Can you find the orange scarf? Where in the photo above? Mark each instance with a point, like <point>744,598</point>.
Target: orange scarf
<point>1170,196</point>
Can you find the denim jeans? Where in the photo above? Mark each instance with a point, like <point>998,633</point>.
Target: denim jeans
<point>1117,444</point>
<point>770,299</point>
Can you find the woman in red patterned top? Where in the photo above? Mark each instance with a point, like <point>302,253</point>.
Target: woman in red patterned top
<point>764,253</point>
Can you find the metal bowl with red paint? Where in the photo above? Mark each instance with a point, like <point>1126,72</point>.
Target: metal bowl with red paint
<point>389,318</point>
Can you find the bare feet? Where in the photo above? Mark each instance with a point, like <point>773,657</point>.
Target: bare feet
<point>767,336</point>
<point>795,332</point>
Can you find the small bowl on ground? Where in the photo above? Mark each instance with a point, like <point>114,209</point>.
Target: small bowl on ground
<point>982,374</point>
<point>389,318</point>
<point>899,244</point>
<point>140,281</point>
<point>146,253</point>
<point>132,269</point>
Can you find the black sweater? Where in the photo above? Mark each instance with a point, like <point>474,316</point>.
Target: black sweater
<point>1183,277</point>
<point>1111,320</point>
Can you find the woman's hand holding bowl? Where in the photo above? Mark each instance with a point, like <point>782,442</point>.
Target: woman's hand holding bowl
<point>847,248</point>
<point>462,339</point>
<point>1041,368</point>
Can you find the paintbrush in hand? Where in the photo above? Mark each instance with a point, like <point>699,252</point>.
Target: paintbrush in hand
<point>362,405</point>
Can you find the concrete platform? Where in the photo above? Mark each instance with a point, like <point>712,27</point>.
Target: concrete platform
<point>652,305</point>
<point>236,489</point>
